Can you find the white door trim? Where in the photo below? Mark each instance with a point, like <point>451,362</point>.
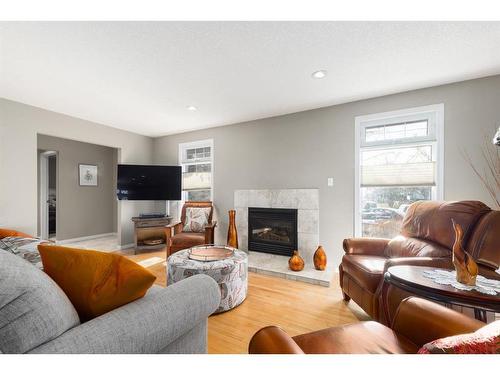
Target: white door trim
<point>44,193</point>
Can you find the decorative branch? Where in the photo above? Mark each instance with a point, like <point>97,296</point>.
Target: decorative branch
<point>489,175</point>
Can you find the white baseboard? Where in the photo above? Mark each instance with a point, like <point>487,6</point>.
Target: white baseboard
<point>86,238</point>
<point>127,246</point>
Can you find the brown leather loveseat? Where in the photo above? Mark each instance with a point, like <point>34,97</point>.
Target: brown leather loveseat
<point>426,239</point>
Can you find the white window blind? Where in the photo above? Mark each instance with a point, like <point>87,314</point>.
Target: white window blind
<point>410,165</point>
<point>196,180</point>
<point>414,174</point>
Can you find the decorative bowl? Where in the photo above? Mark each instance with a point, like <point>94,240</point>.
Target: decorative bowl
<point>210,253</point>
<point>153,242</point>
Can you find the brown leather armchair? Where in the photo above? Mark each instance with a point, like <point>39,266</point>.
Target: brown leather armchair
<point>417,322</point>
<point>177,240</point>
<point>426,239</point>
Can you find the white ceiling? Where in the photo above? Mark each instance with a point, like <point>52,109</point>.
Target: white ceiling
<point>141,76</point>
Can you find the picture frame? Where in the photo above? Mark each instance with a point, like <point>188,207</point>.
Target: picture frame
<point>87,175</point>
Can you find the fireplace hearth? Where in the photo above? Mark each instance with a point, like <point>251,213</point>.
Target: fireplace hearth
<point>272,230</point>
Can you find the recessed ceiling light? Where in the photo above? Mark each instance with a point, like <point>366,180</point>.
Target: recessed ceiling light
<point>191,108</point>
<point>319,74</point>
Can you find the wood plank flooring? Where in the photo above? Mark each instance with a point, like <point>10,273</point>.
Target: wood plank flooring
<point>294,306</point>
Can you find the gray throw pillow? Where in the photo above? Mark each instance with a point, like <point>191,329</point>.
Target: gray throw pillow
<point>33,309</point>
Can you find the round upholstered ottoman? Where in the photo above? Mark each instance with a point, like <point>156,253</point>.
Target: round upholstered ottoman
<point>231,274</point>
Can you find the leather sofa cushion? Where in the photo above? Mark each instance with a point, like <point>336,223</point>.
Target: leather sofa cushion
<point>187,239</point>
<point>402,246</point>
<point>359,338</point>
<point>484,245</point>
<point>33,309</point>
<point>367,270</point>
<point>431,220</point>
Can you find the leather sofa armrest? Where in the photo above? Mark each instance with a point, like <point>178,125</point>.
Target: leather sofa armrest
<point>418,261</point>
<point>273,340</point>
<point>365,246</point>
<point>422,321</point>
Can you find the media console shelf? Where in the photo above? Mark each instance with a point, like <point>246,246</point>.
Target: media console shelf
<point>149,233</point>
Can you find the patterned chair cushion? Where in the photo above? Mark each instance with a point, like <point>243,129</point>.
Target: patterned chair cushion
<point>196,219</point>
<point>485,340</point>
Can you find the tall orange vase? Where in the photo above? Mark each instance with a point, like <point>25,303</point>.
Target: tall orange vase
<point>232,233</point>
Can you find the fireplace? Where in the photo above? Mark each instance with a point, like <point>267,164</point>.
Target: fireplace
<point>272,230</point>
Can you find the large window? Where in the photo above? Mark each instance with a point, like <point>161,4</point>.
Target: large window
<point>196,159</point>
<point>398,162</point>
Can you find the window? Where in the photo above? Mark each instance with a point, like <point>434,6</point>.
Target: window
<point>196,159</point>
<point>398,161</point>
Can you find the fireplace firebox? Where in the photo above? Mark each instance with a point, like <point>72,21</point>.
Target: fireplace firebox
<point>272,230</point>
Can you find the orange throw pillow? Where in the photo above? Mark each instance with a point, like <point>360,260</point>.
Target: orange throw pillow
<point>94,281</point>
<point>12,233</point>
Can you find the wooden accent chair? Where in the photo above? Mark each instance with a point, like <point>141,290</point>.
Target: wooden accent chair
<point>177,240</point>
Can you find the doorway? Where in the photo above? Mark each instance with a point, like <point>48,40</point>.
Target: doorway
<point>48,195</point>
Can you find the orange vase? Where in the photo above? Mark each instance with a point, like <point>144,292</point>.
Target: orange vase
<point>465,266</point>
<point>320,259</point>
<point>296,263</point>
<point>232,233</point>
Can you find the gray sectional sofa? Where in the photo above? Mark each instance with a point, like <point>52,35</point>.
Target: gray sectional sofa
<point>37,317</point>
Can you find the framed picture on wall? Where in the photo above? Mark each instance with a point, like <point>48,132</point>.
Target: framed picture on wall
<point>88,174</point>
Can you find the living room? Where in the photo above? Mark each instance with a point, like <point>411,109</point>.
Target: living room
<point>250,187</point>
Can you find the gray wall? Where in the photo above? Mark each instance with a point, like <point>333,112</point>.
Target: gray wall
<point>83,210</point>
<point>19,126</point>
<point>301,150</point>
<point>52,164</point>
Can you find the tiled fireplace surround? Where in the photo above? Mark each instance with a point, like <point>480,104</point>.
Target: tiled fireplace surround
<point>306,201</point>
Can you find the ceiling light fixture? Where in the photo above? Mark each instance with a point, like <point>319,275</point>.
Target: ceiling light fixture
<point>191,108</point>
<point>319,74</point>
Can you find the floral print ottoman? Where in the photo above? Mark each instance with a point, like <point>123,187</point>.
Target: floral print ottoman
<point>231,274</point>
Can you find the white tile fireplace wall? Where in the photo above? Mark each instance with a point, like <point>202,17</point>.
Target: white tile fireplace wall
<point>306,201</point>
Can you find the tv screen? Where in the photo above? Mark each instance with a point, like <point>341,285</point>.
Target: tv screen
<point>149,182</point>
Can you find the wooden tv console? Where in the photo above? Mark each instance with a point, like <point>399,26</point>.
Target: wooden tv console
<point>150,230</point>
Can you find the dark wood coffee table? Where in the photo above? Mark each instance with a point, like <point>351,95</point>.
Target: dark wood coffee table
<point>411,279</point>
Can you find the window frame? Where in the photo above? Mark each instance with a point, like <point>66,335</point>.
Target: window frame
<point>434,114</point>
<point>184,163</point>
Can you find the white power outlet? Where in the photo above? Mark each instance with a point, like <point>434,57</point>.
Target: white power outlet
<point>330,181</point>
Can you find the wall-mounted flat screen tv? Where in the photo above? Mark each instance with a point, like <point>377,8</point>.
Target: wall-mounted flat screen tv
<point>149,182</point>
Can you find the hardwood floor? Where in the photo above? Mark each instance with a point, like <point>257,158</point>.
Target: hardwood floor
<point>294,306</point>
